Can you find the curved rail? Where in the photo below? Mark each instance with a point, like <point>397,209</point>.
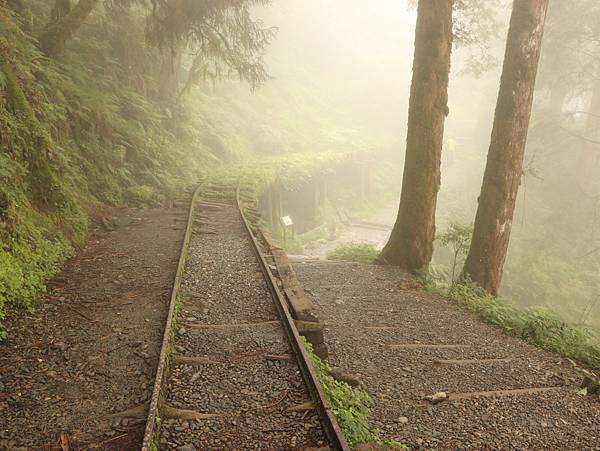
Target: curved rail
<point>328,420</point>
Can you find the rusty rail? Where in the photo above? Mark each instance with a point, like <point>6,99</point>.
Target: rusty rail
<point>328,420</point>
<point>163,361</point>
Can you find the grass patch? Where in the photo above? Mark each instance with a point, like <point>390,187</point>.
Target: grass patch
<point>351,406</point>
<point>355,252</point>
<point>537,325</point>
<point>292,245</point>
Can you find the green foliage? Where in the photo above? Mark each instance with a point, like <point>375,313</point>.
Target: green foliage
<point>351,406</point>
<point>85,130</point>
<point>355,252</point>
<point>538,326</point>
<point>25,264</point>
<point>223,37</point>
<point>458,238</point>
<point>293,245</point>
<point>72,134</point>
<point>142,195</point>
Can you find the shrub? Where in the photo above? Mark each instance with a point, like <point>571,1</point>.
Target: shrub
<point>537,325</point>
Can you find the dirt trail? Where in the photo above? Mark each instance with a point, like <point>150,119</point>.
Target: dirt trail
<point>406,344</point>
<point>92,349</point>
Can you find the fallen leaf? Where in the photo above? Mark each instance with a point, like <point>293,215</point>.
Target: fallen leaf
<point>437,397</point>
<point>64,441</point>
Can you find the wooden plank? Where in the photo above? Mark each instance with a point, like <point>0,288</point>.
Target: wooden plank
<point>427,346</point>
<point>233,325</point>
<point>470,361</point>
<point>500,393</point>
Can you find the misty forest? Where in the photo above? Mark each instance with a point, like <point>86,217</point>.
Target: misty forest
<point>299,224</point>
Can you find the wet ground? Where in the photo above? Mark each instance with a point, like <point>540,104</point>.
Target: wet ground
<point>374,229</point>
<point>91,350</point>
<point>406,344</point>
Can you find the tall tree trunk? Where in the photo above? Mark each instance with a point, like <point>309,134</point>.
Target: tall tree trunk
<point>169,76</point>
<point>411,242</point>
<point>16,5</point>
<point>58,32</point>
<point>60,10</point>
<point>504,167</point>
<point>586,164</point>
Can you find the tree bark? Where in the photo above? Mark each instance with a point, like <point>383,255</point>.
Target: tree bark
<point>60,10</point>
<point>169,75</point>
<point>58,32</point>
<point>504,168</point>
<point>16,5</point>
<point>411,243</point>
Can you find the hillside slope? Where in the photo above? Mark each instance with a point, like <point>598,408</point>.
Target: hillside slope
<point>73,136</point>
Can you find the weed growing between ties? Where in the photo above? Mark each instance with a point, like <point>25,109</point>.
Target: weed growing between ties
<point>351,406</point>
<point>355,252</point>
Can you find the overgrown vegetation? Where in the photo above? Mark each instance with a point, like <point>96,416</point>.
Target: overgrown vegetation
<point>351,406</point>
<point>72,135</point>
<point>457,237</point>
<point>92,129</point>
<point>537,325</point>
<point>355,252</point>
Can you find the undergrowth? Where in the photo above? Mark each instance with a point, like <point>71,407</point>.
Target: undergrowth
<point>537,325</point>
<point>351,406</point>
<point>355,252</point>
<point>85,131</point>
<point>71,138</point>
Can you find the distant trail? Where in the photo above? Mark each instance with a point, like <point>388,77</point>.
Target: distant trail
<point>406,344</point>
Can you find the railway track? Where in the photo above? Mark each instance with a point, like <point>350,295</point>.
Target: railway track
<point>233,373</point>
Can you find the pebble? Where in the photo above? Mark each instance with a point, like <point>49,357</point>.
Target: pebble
<point>402,420</point>
<point>60,346</point>
<point>249,386</point>
<point>195,376</point>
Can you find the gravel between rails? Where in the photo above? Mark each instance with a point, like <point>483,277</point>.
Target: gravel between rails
<point>354,298</point>
<point>250,395</point>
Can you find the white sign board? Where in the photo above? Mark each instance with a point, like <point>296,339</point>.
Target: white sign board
<point>287,221</point>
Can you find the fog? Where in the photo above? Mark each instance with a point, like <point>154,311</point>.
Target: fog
<point>342,70</point>
<point>218,215</point>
